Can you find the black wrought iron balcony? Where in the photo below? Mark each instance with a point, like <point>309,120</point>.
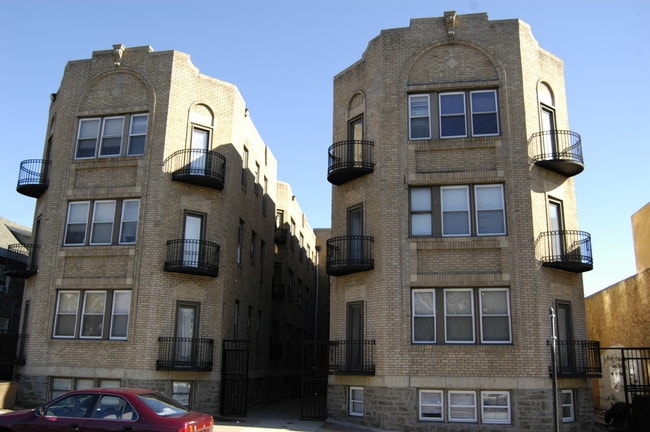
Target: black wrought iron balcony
<point>33,177</point>
<point>349,160</point>
<point>558,150</point>
<point>578,359</point>
<point>23,259</point>
<point>281,235</point>
<point>199,167</point>
<point>184,353</point>
<point>565,250</point>
<point>349,254</point>
<point>198,257</point>
<point>12,348</point>
<point>352,357</point>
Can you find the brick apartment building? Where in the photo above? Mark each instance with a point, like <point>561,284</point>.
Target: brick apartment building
<point>455,234</point>
<point>154,238</point>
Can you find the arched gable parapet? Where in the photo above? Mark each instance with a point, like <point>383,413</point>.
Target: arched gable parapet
<point>445,63</point>
<point>116,91</point>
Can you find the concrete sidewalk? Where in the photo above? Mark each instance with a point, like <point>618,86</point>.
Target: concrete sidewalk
<point>281,416</point>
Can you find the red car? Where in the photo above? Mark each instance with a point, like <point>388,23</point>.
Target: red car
<point>108,409</point>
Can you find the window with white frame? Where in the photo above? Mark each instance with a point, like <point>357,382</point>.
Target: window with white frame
<point>459,316</point>
<point>82,314</point>
<point>419,117</point>
<point>459,114</point>
<point>494,309</point>
<point>452,115</point>
<point>424,315</point>
<point>568,407</point>
<point>103,217</point>
<point>104,137</point>
<point>61,385</point>
<point>462,406</point>
<point>455,211</point>
<point>431,406</point>
<point>356,401</point>
<point>495,407</point>
<point>455,315</point>
<point>182,392</point>
<point>465,210</point>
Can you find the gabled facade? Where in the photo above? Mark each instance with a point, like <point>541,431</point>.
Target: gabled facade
<point>455,233</point>
<point>155,225</point>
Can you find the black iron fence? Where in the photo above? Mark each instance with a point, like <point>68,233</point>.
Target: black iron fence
<point>352,357</point>
<point>192,256</point>
<point>566,249</point>
<point>349,254</point>
<point>184,353</point>
<point>578,358</point>
<point>203,167</point>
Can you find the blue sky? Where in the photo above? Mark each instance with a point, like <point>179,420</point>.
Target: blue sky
<point>283,55</point>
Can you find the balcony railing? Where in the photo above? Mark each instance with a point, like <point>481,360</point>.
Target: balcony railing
<point>352,357</point>
<point>184,353</point>
<point>349,160</point>
<point>33,177</point>
<point>12,348</point>
<point>23,259</point>
<point>198,257</point>
<point>349,254</point>
<point>281,235</point>
<point>198,167</point>
<point>565,250</point>
<point>557,150</point>
<point>578,359</point>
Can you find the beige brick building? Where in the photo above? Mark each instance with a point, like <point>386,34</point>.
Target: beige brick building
<point>455,233</point>
<point>154,235</point>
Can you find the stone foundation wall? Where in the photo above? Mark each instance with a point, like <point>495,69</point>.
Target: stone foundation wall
<point>396,409</point>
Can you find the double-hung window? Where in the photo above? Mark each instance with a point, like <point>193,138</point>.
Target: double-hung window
<point>495,315</point>
<point>431,406</point>
<point>419,117</point>
<point>495,407</point>
<point>459,210</point>
<point>92,314</point>
<point>452,115</point>
<point>424,316</point>
<point>459,114</point>
<point>462,406</point>
<point>568,408</point>
<point>457,315</point>
<point>355,401</point>
<point>105,137</point>
<point>103,216</point>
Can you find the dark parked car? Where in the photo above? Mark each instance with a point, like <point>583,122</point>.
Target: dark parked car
<point>108,409</point>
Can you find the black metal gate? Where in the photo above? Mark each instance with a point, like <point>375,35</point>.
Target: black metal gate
<point>315,369</point>
<point>636,372</point>
<point>234,378</point>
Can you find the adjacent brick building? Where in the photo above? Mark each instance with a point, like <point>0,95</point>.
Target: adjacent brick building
<point>455,233</point>
<point>154,235</point>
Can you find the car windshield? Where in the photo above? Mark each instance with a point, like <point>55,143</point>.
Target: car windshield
<point>162,405</point>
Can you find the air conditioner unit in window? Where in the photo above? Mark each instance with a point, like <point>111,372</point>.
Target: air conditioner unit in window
<point>3,288</point>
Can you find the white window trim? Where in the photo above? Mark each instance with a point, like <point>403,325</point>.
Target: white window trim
<point>508,315</point>
<point>413,315</point>
<point>92,225</point>
<point>76,148</point>
<point>506,406</point>
<point>496,112</point>
<point>441,116</point>
<point>103,135</point>
<point>131,134</point>
<point>476,209</point>
<point>443,211</point>
<point>123,221</point>
<point>352,401</point>
<point>571,405</point>
<point>453,419</point>
<point>57,314</point>
<point>428,116</point>
<point>84,315</point>
<point>68,223</point>
<point>441,406</point>
<point>471,292</point>
<point>114,314</point>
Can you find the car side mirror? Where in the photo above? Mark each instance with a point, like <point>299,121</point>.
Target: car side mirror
<point>40,411</point>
